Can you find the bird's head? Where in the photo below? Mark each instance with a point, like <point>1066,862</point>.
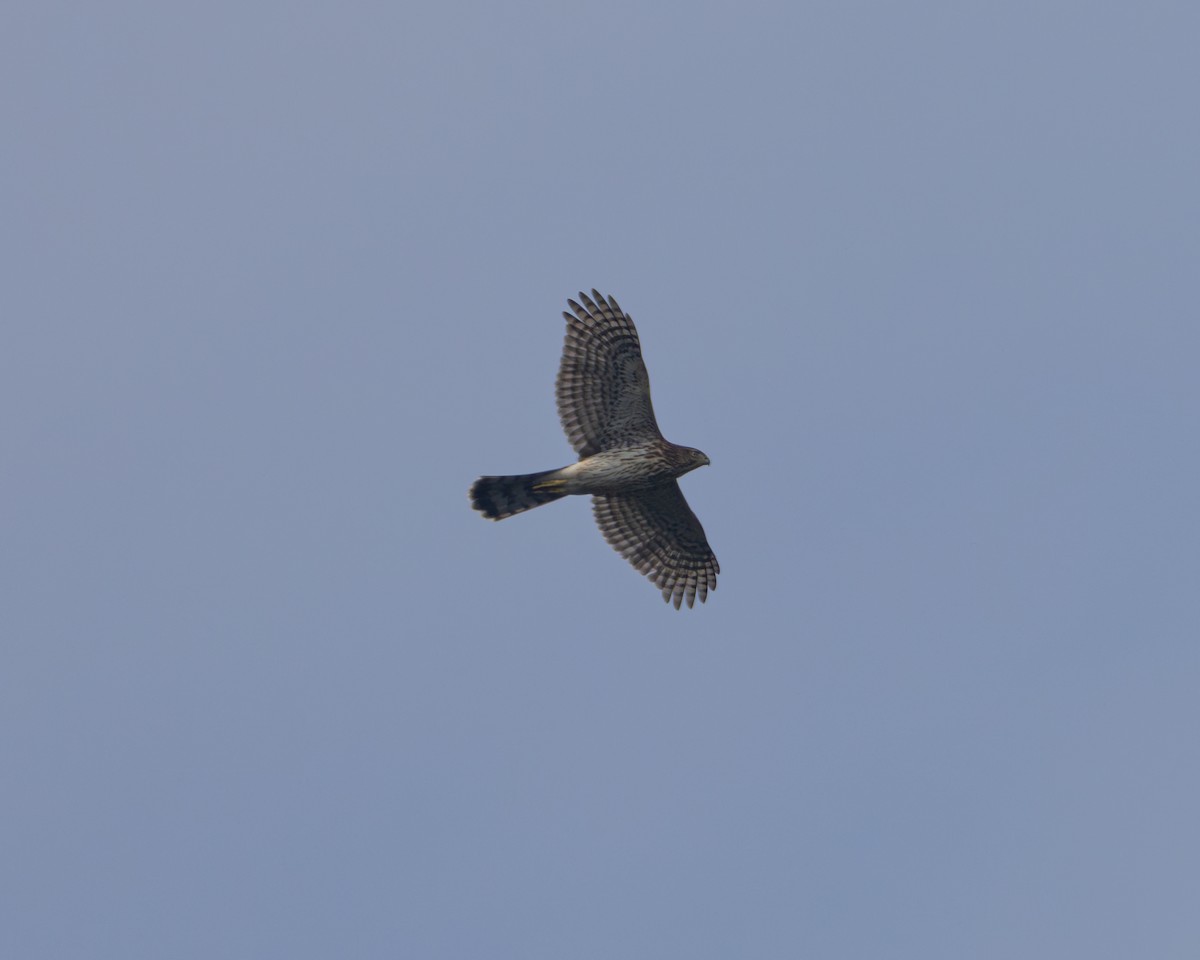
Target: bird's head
<point>694,458</point>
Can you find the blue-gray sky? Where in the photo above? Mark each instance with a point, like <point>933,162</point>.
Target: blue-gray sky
<point>281,280</point>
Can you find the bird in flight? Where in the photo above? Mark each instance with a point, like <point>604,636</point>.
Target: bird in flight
<point>626,466</point>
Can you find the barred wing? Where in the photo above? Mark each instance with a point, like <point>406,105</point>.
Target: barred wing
<point>657,532</point>
<point>603,390</point>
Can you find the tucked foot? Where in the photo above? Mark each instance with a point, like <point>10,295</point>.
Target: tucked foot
<point>550,486</point>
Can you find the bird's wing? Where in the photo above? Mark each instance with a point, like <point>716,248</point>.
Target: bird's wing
<point>603,390</point>
<point>657,532</point>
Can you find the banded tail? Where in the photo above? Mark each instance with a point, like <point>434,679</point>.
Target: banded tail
<point>500,497</point>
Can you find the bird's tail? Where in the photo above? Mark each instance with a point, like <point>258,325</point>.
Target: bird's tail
<point>500,497</point>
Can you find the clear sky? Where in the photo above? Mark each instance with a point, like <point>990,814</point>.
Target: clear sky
<point>280,280</point>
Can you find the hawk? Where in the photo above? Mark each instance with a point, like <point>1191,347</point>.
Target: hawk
<point>603,395</point>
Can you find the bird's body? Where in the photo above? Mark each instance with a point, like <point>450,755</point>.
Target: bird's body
<point>625,470</point>
<point>624,463</point>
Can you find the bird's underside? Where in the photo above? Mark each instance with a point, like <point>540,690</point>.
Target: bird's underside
<point>626,466</point>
